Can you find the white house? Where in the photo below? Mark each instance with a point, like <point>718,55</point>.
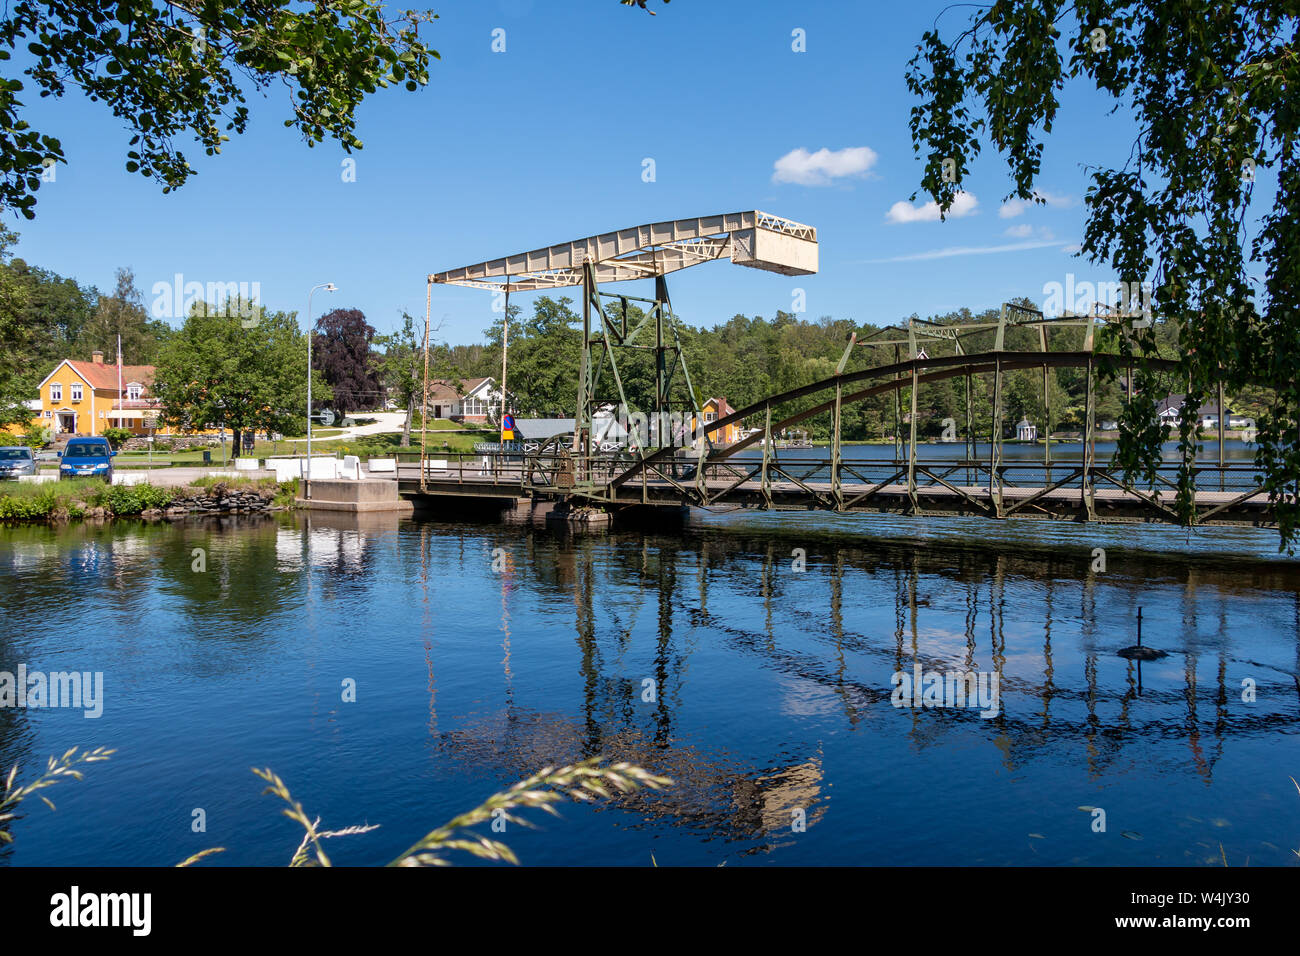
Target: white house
<point>1026,431</point>
<point>473,400</point>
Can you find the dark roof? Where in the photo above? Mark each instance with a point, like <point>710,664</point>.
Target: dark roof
<point>1175,402</point>
<point>536,429</point>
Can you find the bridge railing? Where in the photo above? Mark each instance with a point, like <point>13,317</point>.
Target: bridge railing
<point>835,483</point>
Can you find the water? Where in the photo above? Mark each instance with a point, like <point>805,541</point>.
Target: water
<point>1022,464</point>
<point>772,688</point>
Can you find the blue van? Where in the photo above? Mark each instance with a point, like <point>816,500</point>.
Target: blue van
<point>87,458</point>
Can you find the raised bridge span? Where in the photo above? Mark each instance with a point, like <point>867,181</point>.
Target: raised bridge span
<point>969,474</point>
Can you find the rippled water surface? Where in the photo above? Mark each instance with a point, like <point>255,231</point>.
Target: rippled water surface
<point>482,652</point>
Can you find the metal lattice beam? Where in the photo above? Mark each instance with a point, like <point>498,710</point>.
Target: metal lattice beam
<point>755,239</point>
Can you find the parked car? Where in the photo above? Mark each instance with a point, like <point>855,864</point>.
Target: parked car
<point>87,458</point>
<point>16,460</point>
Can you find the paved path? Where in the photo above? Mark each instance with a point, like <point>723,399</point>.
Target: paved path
<point>384,422</point>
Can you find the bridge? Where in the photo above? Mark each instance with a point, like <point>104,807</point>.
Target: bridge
<point>680,461</point>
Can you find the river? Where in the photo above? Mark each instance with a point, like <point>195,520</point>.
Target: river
<point>750,657</point>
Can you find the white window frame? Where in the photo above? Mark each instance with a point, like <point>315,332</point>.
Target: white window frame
<point>56,391</point>
<point>133,392</point>
<point>76,391</point>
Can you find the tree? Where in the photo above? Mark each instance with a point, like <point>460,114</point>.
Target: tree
<point>400,369</point>
<point>56,311</point>
<point>122,313</point>
<point>341,350</point>
<point>1212,89</point>
<point>216,372</point>
<point>545,351</point>
<point>14,339</point>
<point>186,67</point>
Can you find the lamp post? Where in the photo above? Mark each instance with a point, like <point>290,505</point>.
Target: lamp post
<point>328,287</point>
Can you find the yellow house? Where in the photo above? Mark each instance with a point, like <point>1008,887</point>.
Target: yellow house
<point>83,398</point>
<point>712,410</point>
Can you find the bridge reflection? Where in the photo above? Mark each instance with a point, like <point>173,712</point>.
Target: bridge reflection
<point>1045,624</point>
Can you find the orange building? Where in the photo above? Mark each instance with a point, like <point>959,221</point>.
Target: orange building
<point>83,398</point>
<point>712,410</point>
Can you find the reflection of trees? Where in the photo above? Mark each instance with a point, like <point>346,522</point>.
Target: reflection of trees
<point>735,588</point>
<point>709,794</point>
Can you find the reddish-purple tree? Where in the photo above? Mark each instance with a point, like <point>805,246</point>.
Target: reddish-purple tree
<point>341,351</point>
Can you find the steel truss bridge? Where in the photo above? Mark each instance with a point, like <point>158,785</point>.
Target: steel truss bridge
<point>976,479</point>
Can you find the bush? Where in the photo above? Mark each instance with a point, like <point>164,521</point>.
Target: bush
<point>33,502</point>
<point>38,436</point>
<point>133,499</point>
<point>27,506</point>
<point>117,437</point>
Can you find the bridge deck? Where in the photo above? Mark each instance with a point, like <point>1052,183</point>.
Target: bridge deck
<point>1110,504</point>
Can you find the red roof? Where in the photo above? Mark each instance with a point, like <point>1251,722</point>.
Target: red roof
<point>721,406</point>
<point>443,391</point>
<point>103,376</point>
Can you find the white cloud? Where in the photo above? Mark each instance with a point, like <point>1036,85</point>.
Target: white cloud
<point>963,204</point>
<point>824,166</point>
<point>1025,231</point>
<point>1016,207</point>
<point>951,251</point>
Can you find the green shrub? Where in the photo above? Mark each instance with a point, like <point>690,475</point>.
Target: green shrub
<point>36,501</point>
<point>286,494</point>
<point>27,506</point>
<point>117,437</point>
<point>38,436</point>
<point>133,499</point>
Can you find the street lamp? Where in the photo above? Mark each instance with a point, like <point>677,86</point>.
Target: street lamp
<point>328,287</point>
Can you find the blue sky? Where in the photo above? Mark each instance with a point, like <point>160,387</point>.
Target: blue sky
<point>545,142</point>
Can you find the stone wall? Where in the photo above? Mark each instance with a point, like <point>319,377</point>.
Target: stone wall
<point>218,500</point>
<point>178,443</point>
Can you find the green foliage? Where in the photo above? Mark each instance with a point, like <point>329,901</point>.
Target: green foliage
<point>23,504</point>
<point>400,367</point>
<point>544,352</point>
<point>121,316</point>
<point>168,70</point>
<point>117,437</point>
<point>38,436</point>
<point>124,500</point>
<point>1211,90</point>
<point>54,313</point>
<point>30,502</point>
<point>243,374</point>
<point>286,494</point>
<point>15,339</point>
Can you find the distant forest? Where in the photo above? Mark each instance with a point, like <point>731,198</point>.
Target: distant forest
<point>742,360</point>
